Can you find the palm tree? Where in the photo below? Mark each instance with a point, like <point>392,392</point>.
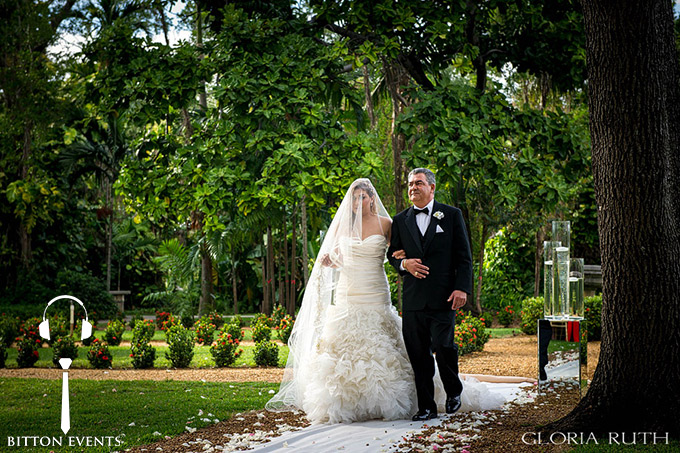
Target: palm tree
<point>99,151</point>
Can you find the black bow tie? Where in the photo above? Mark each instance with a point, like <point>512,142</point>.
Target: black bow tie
<point>425,210</point>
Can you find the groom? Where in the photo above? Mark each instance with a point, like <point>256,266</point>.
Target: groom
<point>437,279</point>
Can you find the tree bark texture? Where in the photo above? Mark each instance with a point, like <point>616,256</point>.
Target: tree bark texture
<point>635,130</point>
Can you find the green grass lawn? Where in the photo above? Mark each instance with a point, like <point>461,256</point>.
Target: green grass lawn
<point>502,332</point>
<point>142,411</point>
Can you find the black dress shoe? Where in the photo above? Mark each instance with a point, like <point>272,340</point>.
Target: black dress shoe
<point>424,415</point>
<point>452,404</point>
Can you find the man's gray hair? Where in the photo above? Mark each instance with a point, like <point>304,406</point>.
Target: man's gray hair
<point>429,175</point>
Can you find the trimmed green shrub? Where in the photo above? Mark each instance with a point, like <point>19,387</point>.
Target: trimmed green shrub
<point>114,332</point>
<point>99,355</point>
<point>593,315</point>
<point>62,348</point>
<point>277,315</point>
<point>266,353</point>
<point>532,311</point>
<point>506,316</point>
<point>261,318</point>
<point>143,355</point>
<point>470,334</point>
<point>234,330</point>
<point>285,328</point>
<point>205,331</point>
<point>9,329</point>
<point>487,318</point>
<point>225,349</point>
<point>261,332</point>
<point>180,346</point>
<point>27,351</point>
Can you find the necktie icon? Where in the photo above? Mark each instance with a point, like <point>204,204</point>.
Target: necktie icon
<point>65,408</point>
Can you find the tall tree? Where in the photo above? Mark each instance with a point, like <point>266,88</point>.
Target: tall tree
<point>634,102</point>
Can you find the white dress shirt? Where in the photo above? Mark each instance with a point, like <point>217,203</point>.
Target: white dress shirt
<point>423,221</point>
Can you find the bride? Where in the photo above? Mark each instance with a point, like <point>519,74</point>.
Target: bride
<point>347,360</point>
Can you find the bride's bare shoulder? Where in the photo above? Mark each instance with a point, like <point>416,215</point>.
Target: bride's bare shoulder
<point>386,222</point>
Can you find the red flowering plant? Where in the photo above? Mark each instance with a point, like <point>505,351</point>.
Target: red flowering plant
<point>27,351</point>
<point>225,349</point>
<point>506,315</point>
<point>234,329</point>
<point>170,322</point>
<point>205,331</point>
<point>261,318</point>
<point>99,355</point>
<point>64,347</point>
<point>114,332</point>
<point>285,328</point>
<point>161,317</point>
<point>277,315</point>
<point>29,329</point>
<point>470,335</point>
<point>216,319</point>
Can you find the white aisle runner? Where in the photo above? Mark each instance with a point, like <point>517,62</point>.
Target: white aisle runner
<point>369,436</point>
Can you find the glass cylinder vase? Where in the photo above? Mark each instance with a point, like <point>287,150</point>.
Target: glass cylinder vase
<point>561,232</point>
<point>561,282</point>
<point>576,275</point>
<point>548,277</point>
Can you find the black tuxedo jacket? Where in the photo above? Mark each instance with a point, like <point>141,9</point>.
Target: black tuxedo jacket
<point>445,250</point>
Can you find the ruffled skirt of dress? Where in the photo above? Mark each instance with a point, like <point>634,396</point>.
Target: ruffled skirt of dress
<point>360,369</point>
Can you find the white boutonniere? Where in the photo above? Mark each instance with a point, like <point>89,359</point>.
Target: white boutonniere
<point>439,215</point>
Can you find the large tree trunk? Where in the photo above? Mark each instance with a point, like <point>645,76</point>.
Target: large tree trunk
<point>635,128</point>
<point>305,253</point>
<point>480,260</point>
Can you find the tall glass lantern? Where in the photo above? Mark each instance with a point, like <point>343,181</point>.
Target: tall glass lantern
<point>576,276</point>
<point>548,277</point>
<point>561,232</point>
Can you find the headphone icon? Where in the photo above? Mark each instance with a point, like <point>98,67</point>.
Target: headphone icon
<point>44,327</point>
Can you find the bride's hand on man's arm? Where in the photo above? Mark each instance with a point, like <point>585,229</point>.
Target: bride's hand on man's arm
<point>327,261</point>
<point>399,254</point>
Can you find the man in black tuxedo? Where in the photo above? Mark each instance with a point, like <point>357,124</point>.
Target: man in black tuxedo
<point>437,275</point>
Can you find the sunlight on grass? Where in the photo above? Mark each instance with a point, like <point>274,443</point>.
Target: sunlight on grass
<point>135,409</point>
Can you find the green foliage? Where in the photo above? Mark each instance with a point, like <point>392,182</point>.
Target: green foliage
<point>99,355</point>
<point>114,332</point>
<point>3,351</point>
<point>508,274</point>
<point>470,333</point>
<point>593,315</point>
<point>134,320</point>
<point>238,320</point>
<point>161,318</point>
<point>9,329</point>
<point>266,353</point>
<point>181,346</point>
<point>205,330</point>
<point>216,319</point>
<point>29,330</point>
<point>143,355</point>
<point>141,352</point>
<point>64,347</point>
<point>233,329</point>
<point>261,318</point>
<point>143,331</point>
<point>91,291</point>
<point>277,315</point>
<point>285,328</point>
<point>487,318</point>
<point>506,315</point>
<point>261,331</point>
<point>225,349</point>
<point>532,311</point>
<point>27,351</point>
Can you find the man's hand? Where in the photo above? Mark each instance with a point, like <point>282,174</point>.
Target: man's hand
<point>457,299</point>
<point>415,267</point>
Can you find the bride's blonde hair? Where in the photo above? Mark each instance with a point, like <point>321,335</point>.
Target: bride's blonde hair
<point>361,185</point>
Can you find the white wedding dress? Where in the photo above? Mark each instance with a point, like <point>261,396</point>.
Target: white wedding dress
<point>359,369</point>
<point>347,360</point>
